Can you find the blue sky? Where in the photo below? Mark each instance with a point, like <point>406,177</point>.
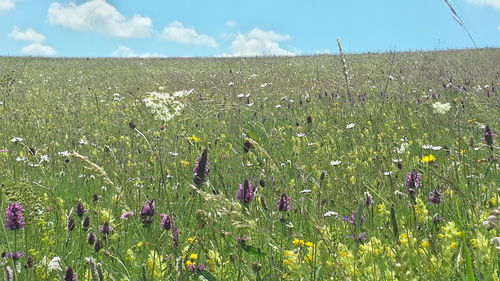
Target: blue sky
<point>128,28</point>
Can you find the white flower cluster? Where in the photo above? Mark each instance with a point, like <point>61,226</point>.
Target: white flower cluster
<point>441,108</point>
<point>165,106</point>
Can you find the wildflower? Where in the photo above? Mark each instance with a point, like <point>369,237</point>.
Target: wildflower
<point>54,264</point>
<point>428,158</point>
<point>435,197</point>
<point>335,162</point>
<point>488,135</point>
<point>350,126</point>
<point>441,108</point>
<point>309,119</point>
<point>490,222</point>
<point>331,214</point>
<point>352,218</point>
<point>201,169</point>
<point>15,256</point>
<point>247,145</point>
<point>283,203</point>
<point>71,223</point>
<point>8,273</point>
<point>86,223</point>
<point>91,238</point>
<point>167,221</point>
<point>194,138</point>
<point>242,240</point>
<point>368,199</point>
<point>105,228</point>
<point>97,246</point>
<point>495,241</point>
<point>413,181</point>
<point>147,212</point>
<point>125,215</point>
<point>16,139</point>
<point>14,218</point>
<point>246,192</point>
<point>80,209</point>
<point>359,237</point>
<point>175,237</point>
<point>70,275</point>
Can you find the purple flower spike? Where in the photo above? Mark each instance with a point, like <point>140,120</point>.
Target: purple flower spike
<point>201,169</point>
<point>246,192</point>
<point>70,275</point>
<point>106,228</point>
<point>14,218</point>
<point>148,212</point>
<point>413,181</point>
<point>435,197</point>
<point>175,237</point>
<point>488,135</point>
<point>80,209</point>
<point>283,204</point>
<point>167,221</point>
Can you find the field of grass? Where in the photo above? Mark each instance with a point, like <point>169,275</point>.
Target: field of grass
<point>394,177</point>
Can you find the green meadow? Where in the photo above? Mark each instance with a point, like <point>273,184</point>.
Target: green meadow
<point>269,168</point>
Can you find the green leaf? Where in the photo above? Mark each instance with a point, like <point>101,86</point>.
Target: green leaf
<point>251,250</point>
<point>253,136</point>
<point>207,275</point>
<point>394,223</point>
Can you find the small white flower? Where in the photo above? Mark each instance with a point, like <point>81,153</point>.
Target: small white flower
<point>331,214</point>
<point>250,104</point>
<point>278,106</point>
<point>16,139</point>
<point>44,158</point>
<point>387,173</point>
<point>335,162</point>
<point>397,161</point>
<point>427,146</point>
<point>240,96</point>
<point>495,241</point>
<point>20,159</point>
<point>64,153</point>
<point>173,153</point>
<point>301,135</point>
<point>350,126</point>
<point>437,147</point>
<point>441,108</point>
<point>54,264</point>
<point>83,141</point>
<point>305,191</point>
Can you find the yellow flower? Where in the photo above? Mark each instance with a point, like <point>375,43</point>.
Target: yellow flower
<point>308,258</point>
<point>193,138</point>
<point>453,245</point>
<point>298,243</point>
<point>191,239</point>
<point>184,163</point>
<point>309,244</point>
<point>428,158</point>
<point>139,244</point>
<point>193,257</point>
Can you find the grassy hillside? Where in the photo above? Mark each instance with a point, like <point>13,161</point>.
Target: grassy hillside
<point>392,177</point>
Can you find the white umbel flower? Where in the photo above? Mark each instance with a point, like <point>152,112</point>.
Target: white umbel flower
<point>441,108</point>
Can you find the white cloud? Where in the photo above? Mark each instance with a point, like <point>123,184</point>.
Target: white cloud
<point>177,32</point>
<point>259,42</point>
<point>7,6</point>
<point>27,35</point>
<point>230,23</point>
<point>126,52</point>
<point>99,16</point>
<point>38,49</point>
<point>493,3</point>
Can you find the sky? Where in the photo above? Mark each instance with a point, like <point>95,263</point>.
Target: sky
<point>203,28</point>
